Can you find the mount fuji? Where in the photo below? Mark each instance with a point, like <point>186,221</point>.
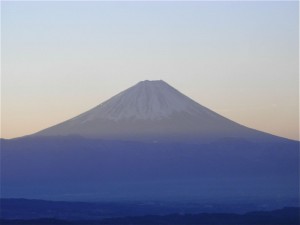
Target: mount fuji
<point>152,143</point>
<point>153,111</point>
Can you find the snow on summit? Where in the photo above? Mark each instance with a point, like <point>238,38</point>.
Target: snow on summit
<point>146,100</point>
<point>151,111</point>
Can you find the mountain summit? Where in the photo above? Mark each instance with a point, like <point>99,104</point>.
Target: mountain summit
<point>152,111</point>
<point>147,100</point>
<point>152,143</point>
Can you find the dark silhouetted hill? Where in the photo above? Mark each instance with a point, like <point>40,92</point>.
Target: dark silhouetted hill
<point>286,216</point>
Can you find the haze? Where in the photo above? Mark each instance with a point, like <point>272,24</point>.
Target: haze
<point>240,59</point>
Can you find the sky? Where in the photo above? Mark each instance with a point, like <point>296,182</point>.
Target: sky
<point>240,59</point>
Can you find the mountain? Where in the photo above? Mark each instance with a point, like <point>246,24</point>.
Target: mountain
<point>153,111</point>
<point>26,211</point>
<point>152,143</point>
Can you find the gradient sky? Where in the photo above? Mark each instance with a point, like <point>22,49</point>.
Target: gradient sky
<point>239,59</point>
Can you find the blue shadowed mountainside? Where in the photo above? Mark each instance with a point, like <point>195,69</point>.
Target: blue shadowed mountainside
<point>152,143</point>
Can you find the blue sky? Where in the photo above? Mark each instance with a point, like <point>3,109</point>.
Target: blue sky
<point>238,58</point>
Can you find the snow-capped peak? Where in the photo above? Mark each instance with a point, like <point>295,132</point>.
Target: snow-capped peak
<point>146,100</point>
<point>151,111</point>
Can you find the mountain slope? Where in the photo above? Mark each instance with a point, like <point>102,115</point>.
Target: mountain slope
<point>74,168</point>
<point>153,111</point>
<point>187,152</point>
